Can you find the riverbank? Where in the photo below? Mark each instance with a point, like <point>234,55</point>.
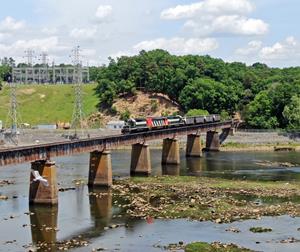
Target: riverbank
<point>206,199</point>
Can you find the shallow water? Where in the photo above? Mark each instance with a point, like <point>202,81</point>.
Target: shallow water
<point>81,214</point>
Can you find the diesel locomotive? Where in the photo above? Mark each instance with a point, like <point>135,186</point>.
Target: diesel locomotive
<point>152,123</point>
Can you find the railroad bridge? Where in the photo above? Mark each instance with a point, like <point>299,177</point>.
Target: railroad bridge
<point>43,183</point>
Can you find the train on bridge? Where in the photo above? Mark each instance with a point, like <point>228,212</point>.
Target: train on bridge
<point>152,123</point>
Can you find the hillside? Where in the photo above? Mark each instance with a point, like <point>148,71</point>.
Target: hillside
<point>48,104</point>
<point>139,105</point>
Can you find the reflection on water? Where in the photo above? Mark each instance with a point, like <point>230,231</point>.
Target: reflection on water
<point>43,220</point>
<point>171,170</point>
<point>100,206</point>
<point>89,211</point>
<point>195,166</point>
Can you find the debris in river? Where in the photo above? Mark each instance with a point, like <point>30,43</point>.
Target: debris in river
<point>171,198</point>
<point>6,182</point>
<point>66,189</point>
<point>3,197</point>
<point>260,230</point>
<point>233,229</point>
<point>267,163</point>
<point>10,242</point>
<point>290,240</point>
<point>79,182</point>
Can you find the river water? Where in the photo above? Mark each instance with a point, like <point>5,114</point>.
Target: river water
<point>79,214</point>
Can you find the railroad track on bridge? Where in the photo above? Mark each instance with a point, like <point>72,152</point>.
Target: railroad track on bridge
<point>24,154</point>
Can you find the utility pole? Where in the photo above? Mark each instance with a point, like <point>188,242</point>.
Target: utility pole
<point>78,115</point>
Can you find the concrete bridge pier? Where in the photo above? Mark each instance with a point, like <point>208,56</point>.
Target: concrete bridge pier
<point>100,170</point>
<point>212,141</point>
<point>43,183</point>
<point>170,152</point>
<point>140,160</point>
<point>193,146</point>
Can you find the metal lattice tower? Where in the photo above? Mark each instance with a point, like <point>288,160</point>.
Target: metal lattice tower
<point>78,115</point>
<point>44,58</point>
<point>12,121</point>
<point>29,55</point>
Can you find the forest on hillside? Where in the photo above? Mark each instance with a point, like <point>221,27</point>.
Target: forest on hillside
<point>266,97</point>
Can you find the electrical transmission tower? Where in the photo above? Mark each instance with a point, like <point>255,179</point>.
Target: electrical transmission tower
<point>29,55</point>
<point>13,121</point>
<point>44,58</point>
<point>78,115</point>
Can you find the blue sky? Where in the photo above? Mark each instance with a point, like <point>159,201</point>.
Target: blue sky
<point>235,30</point>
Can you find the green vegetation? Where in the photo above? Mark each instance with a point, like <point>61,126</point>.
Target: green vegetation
<point>215,247</point>
<point>47,103</point>
<point>291,113</point>
<point>154,106</point>
<point>265,97</point>
<point>125,115</point>
<point>259,92</point>
<point>260,230</point>
<point>197,112</point>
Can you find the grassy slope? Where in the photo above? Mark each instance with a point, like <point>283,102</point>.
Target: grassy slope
<point>47,103</point>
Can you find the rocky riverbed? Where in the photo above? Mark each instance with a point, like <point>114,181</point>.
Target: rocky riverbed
<point>206,199</point>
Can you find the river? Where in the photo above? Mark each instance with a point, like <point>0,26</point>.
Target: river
<point>79,214</point>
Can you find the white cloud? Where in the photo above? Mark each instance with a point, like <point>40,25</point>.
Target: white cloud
<point>287,49</point>
<point>123,53</point>
<point>103,13</point>
<point>84,33</point>
<point>278,54</point>
<point>234,24</point>
<point>49,44</point>
<point>252,47</point>
<point>179,46</point>
<point>9,24</point>
<point>49,31</point>
<point>217,16</point>
<point>208,7</point>
<point>2,36</point>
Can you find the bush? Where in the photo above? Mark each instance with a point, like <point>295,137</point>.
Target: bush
<point>154,105</point>
<point>197,112</point>
<point>125,115</point>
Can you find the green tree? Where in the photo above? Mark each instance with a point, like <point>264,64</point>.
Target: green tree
<point>106,91</point>
<point>291,113</point>
<point>259,112</point>
<point>209,95</point>
<point>126,87</point>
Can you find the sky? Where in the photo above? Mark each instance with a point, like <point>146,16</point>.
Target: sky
<point>248,31</point>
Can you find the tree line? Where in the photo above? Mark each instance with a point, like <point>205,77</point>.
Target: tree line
<point>266,97</point>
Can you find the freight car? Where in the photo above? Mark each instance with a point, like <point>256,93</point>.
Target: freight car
<point>152,123</point>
